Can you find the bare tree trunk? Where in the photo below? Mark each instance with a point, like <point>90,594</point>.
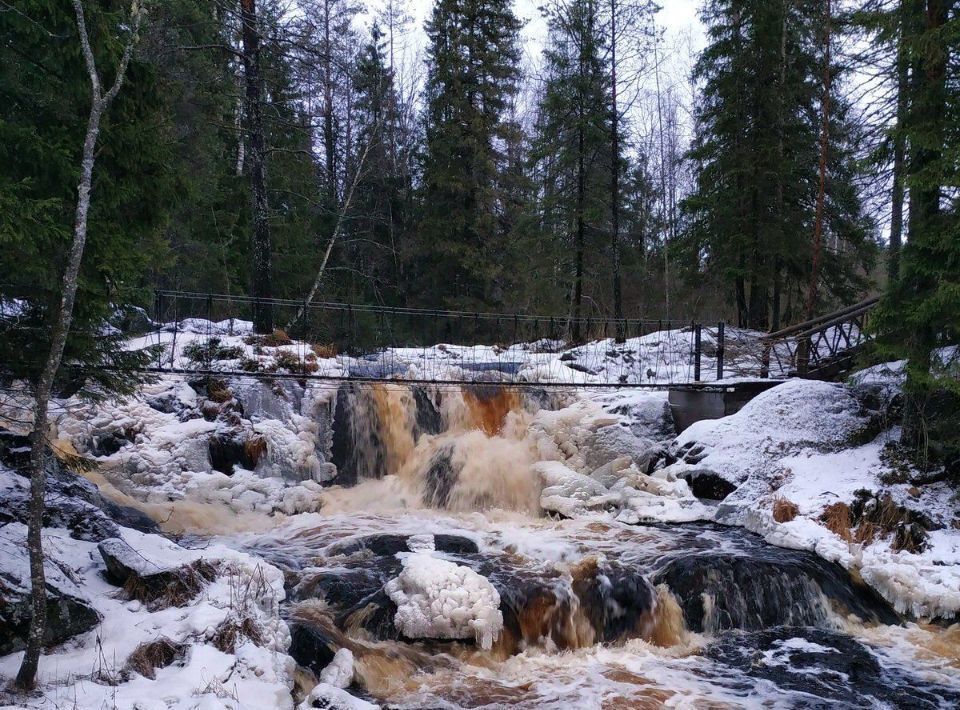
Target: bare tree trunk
<point>328,138</point>
<point>333,240</point>
<point>899,151</point>
<point>615,179</point>
<point>663,180</point>
<point>822,188</point>
<point>63,317</point>
<point>262,252</point>
<point>576,332</point>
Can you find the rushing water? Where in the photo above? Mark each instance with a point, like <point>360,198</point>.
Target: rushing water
<point>596,613</point>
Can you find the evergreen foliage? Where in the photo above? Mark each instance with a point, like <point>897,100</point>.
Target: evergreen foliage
<point>473,73</point>
<point>750,216</point>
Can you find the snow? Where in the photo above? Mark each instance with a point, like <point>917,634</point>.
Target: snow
<point>791,417</point>
<point>436,598</point>
<point>85,671</point>
<point>324,695</point>
<point>590,460</point>
<point>339,673</point>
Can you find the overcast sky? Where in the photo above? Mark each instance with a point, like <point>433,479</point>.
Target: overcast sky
<point>677,17</point>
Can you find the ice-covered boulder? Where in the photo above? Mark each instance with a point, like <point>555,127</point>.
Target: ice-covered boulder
<point>339,672</point>
<point>439,599</point>
<point>611,442</point>
<point>330,697</point>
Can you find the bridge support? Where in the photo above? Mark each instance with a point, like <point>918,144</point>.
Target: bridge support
<point>691,403</point>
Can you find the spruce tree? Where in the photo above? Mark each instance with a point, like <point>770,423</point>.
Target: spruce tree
<point>572,144</point>
<point>751,215</point>
<point>921,311</point>
<point>378,216</point>
<point>472,75</point>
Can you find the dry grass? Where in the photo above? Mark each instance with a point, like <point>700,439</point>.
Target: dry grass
<point>174,588</point>
<point>160,653</point>
<point>273,340</point>
<point>838,520</point>
<point>226,635</point>
<point>289,361</point>
<point>324,350</point>
<point>784,510</point>
<point>865,533</point>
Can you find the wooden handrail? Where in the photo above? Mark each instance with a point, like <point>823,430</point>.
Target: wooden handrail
<point>824,321</point>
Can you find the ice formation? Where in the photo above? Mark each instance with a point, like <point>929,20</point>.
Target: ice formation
<point>436,598</point>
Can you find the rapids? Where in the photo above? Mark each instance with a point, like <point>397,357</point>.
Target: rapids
<point>592,612</point>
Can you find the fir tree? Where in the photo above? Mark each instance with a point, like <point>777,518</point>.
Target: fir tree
<point>921,311</point>
<point>572,142</point>
<point>473,73</point>
<point>751,215</point>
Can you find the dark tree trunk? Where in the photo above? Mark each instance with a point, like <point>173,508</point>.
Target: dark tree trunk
<point>822,186</point>
<point>329,145</point>
<point>615,178</point>
<point>928,111</point>
<point>262,253</point>
<point>899,149</point>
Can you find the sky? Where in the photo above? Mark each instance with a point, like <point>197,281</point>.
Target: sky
<point>677,17</point>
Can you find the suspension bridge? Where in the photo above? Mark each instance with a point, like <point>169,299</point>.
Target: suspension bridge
<point>204,334</point>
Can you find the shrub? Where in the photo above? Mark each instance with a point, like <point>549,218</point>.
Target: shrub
<point>207,352</point>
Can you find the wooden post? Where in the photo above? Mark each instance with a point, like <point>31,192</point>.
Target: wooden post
<point>720,349</point>
<point>697,334</point>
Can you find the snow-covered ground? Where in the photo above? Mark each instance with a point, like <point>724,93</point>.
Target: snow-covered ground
<point>230,461</point>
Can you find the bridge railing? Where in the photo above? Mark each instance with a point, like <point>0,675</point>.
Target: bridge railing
<point>814,347</point>
<point>349,341</point>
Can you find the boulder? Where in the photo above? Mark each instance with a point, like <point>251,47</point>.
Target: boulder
<point>772,587</point>
<point>611,442</point>
<point>704,483</point>
<point>68,613</point>
<point>71,502</point>
<point>819,668</point>
<point>157,583</point>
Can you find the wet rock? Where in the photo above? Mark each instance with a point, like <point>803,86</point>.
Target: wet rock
<point>767,588</point>
<point>357,449</point>
<point>107,443</point>
<point>705,483</point>
<point>68,614</point>
<point>830,669</point>
<point>439,479</point>
<point>235,448</point>
<point>167,403</point>
<point>14,450</point>
<point>428,419</point>
<point>71,502</point>
<point>616,599</point>
<point>311,647</point>
<point>390,544</point>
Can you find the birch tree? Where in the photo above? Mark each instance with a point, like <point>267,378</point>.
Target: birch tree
<point>62,318</point>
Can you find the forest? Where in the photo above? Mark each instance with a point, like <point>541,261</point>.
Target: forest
<point>300,149</point>
<point>784,159</point>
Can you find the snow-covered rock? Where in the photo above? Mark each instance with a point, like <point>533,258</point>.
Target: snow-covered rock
<point>69,612</point>
<point>784,420</point>
<point>436,598</point>
<point>339,672</point>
